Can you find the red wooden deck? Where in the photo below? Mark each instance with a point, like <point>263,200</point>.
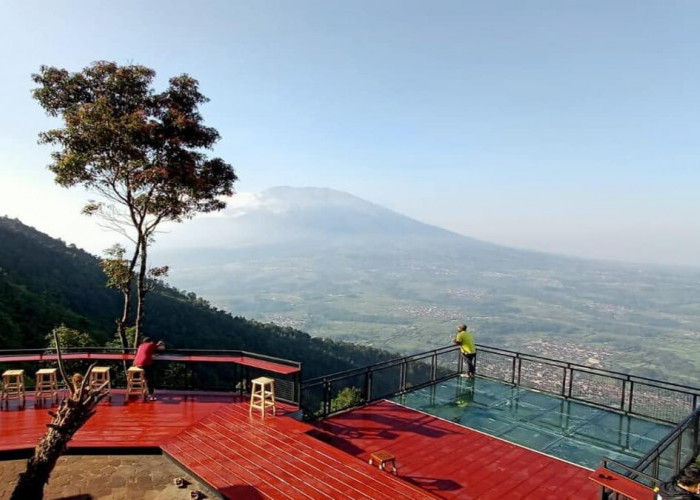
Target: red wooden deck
<point>137,424</point>
<point>212,435</point>
<point>455,462</point>
<point>277,458</point>
<point>250,458</point>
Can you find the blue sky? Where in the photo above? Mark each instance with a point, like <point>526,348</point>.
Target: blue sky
<point>564,126</point>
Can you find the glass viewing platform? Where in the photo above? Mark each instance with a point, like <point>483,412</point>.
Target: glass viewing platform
<point>572,431</point>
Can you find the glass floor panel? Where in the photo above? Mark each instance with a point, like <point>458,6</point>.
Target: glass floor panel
<point>569,430</point>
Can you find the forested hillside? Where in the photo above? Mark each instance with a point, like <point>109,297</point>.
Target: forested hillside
<point>45,283</point>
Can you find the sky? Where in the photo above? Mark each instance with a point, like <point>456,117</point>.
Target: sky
<point>564,126</point>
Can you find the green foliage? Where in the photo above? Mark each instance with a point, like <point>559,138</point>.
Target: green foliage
<point>348,397</point>
<point>116,267</point>
<point>70,337</point>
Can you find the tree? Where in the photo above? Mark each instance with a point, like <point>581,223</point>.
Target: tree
<point>64,336</point>
<point>140,151</point>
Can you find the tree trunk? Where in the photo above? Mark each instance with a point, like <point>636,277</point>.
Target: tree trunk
<point>141,289</point>
<point>72,414</point>
<point>121,326</point>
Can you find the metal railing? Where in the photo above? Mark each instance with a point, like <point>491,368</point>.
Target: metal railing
<point>679,448</point>
<point>615,391</point>
<point>185,369</point>
<point>325,396</point>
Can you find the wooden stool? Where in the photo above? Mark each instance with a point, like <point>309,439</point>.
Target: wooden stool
<point>262,395</point>
<point>382,458</point>
<point>13,386</point>
<point>46,384</point>
<point>98,376</point>
<point>136,382</point>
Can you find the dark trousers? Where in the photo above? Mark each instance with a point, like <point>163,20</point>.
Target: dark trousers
<point>149,375</point>
<point>470,359</point>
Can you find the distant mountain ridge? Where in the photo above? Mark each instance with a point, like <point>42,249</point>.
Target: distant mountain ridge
<point>331,264</point>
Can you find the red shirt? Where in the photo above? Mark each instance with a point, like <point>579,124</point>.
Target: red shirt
<point>144,354</point>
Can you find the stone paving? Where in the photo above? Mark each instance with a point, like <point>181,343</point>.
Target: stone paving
<point>83,477</point>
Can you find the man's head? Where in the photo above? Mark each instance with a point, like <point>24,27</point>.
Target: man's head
<point>690,478</point>
<point>461,328</point>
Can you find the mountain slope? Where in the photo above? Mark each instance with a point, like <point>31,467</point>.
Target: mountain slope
<point>333,265</point>
<point>44,282</point>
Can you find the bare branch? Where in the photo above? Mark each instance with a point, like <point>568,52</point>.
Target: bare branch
<point>61,369</point>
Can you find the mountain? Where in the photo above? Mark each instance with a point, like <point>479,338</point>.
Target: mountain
<point>45,283</point>
<point>331,264</point>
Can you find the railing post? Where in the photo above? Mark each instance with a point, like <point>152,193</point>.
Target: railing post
<point>326,397</point>
<point>631,395</point>
<point>696,436</point>
<point>679,448</point>
<point>368,384</point>
<point>433,374</point>
<point>402,382</point>
<point>519,363</point>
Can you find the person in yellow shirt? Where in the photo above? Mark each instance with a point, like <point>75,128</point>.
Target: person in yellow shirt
<point>465,339</point>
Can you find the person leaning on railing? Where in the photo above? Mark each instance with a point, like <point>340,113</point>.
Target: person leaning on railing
<point>144,360</point>
<point>465,339</point>
<point>685,486</point>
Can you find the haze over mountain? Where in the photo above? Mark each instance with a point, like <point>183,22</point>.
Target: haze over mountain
<point>331,264</point>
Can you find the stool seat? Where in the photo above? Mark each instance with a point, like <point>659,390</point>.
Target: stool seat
<point>136,382</point>
<point>98,376</point>
<point>46,385</point>
<point>262,395</point>
<point>382,458</point>
<point>12,386</point>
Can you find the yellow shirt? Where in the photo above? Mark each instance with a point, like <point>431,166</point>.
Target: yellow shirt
<point>466,342</point>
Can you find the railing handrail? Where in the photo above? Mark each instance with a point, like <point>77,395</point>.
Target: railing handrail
<point>686,389</point>
<point>590,369</point>
<point>131,350</point>
<point>667,441</point>
<point>376,366</point>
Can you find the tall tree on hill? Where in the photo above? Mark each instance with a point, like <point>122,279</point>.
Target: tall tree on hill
<point>140,151</point>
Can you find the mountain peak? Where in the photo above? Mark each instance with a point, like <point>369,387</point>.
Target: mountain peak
<point>293,214</point>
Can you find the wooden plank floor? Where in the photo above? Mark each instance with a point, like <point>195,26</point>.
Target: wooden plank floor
<point>116,424</point>
<point>452,461</point>
<point>277,458</point>
<point>213,436</point>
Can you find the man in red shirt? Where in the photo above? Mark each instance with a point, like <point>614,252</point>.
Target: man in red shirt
<point>144,360</point>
